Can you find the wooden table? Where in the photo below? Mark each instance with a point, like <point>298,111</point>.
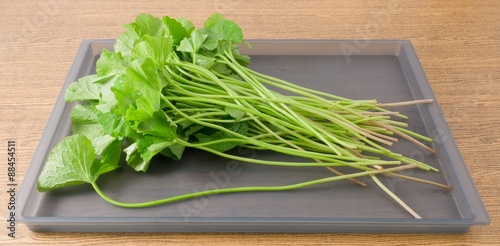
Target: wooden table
<point>458,43</point>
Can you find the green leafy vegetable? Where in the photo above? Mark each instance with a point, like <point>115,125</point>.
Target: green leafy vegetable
<point>71,162</point>
<point>146,24</point>
<point>84,89</point>
<point>110,63</point>
<point>84,113</point>
<point>168,86</point>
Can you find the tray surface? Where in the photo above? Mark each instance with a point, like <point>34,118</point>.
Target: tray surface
<point>388,71</point>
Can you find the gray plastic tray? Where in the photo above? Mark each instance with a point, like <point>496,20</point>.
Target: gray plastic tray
<point>388,71</point>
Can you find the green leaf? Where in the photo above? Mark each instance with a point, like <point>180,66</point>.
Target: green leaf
<point>146,24</point>
<point>238,127</point>
<point>187,24</point>
<point>225,30</point>
<point>211,44</point>
<point>174,151</point>
<point>142,49</point>
<point>156,48</point>
<point>243,60</point>
<point>220,30</point>
<point>95,130</point>
<point>114,124</point>
<point>106,146</point>
<point>143,74</point>
<point>83,89</point>
<point>110,63</point>
<point>126,41</point>
<point>107,99</point>
<point>122,100</point>
<point>71,162</point>
<point>175,29</point>
<point>110,157</point>
<point>235,113</point>
<point>140,153</point>
<point>134,159</point>
<point>185,46</point>
<point>95,133</point>
<point>160,125</point>
<point>213,19</point>
<point>83,113</point>
<point>142,88</point>
<point>148,146</point>
<point>204,61</point>
<point>194,43</point>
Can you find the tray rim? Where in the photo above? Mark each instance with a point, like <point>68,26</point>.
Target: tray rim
<point>480,214</point>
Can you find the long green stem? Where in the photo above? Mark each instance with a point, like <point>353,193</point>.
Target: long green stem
<point>285,110</point>
<point>242,189</point>
<point>330,161</point>
<point>251,140</point>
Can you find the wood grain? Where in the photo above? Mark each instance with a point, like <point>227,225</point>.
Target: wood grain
<point>457,43</point>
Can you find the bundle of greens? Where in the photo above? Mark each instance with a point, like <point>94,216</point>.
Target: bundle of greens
<point>168,86</point>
